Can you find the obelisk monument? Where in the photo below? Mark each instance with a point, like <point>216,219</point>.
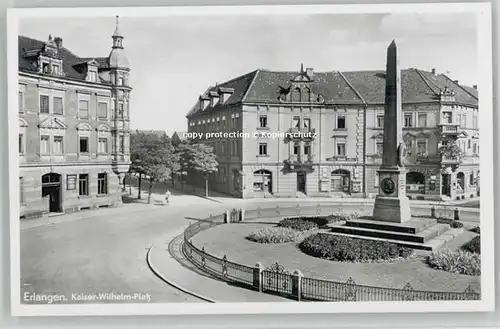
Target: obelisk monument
<point>391,203</point>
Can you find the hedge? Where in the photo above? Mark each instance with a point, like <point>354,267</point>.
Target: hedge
<point>473,245</point>
<point>346,249</point>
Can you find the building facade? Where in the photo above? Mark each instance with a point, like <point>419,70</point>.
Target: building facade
<point>73,127</point>
<point>299,134</point>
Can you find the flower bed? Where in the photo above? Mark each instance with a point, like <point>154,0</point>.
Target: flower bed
<point>461,262</point>
<point>473,245</point>
<point>275,235</point>
<point>346,249</point>
<point>299,223</point>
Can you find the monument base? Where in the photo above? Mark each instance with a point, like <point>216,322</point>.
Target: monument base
<point>392,209</point>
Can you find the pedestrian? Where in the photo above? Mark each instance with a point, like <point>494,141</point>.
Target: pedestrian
<point>167,197</point>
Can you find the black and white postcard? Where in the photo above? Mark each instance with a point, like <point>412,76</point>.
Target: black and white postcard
<point>251,159</point>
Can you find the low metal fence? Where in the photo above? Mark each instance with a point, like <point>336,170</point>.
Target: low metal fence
<point>278,280</point>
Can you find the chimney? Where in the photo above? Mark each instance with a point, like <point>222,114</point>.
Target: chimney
<point>433,71</point>
<point>310,73</point>
<point>475,87</point>
<point>58,41</point>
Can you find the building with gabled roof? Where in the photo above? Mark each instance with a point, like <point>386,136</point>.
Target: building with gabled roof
<point>329,127</point>
<point>74,131</point>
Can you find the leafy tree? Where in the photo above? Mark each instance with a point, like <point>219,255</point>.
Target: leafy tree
<point>200,158</point>
<point>183,162</point>
<point>152,155</point>
<point>450,150</point>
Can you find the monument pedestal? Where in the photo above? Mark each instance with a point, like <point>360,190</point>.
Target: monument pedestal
<point>392,204</point>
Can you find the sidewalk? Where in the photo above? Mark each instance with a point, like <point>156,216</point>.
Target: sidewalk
<point>178,272</point>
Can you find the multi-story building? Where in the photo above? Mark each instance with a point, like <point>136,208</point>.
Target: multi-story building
<point>73,126</point>
<point>320,134</point>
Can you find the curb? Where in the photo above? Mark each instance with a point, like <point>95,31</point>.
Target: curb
<point>169,282</point>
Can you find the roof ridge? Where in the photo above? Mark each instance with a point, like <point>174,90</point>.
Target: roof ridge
<point>461,87</point>
<point>352,87</point>
<point>427,83</point>
<point>250,85</point>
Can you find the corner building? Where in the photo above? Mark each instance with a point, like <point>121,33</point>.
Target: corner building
<point>340,116</point>
<point>73,127</point>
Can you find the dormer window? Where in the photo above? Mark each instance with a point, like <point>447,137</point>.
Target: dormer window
<point>92,76</point>
<point>45,68</point>
<point>55,69</point>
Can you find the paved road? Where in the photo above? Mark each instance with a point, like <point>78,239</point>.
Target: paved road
<point>100,255</point>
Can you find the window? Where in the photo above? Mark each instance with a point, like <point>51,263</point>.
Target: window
<point>296,122</point>
<point>83,184</point>
<point>262,148</point>
<point>58,145</point>
<point>45,68</point>
<point>307,123</point>
<point>469,144</point>
<point>408,120</point>
<point>93,76</point>
<point>340,148</point>
<point>120,110</point>
<point>120,81</point>
<point>103,146</point>
<point>341,121</point>
<point>84,145</point>
<point>83,109</point>
<point>447,117</point>
<point>380,121</point>
<point>44,144</point>
<point>21,190</point>
<point>474,121</point>
<point>58,105</point>
<point>21,144</point>
<point>463,121</point>
<point>102,183</point>
<point>122,144</point>
<point>296,95</point>
<point>475,149</point>
<point>44,104</point>
<point>376,179</point>
<point>471,179</point>
<point>55,69</point>
<point>307,149</point>
<point>21,101</point>
<point>296,149</point>
<point>421,147</point>
<point>422,119</point>
<point>103,111</point>
<point>380,147</point>
<point>263,121</point>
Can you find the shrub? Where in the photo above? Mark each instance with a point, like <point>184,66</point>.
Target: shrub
<point>346,249</point>
<point>473,245</point>
<point>299,223</point>
<point>462,262</point>
<point>476,229</point>
<point>337,217</point>
<point>453,223</point>
<point>275,235</point>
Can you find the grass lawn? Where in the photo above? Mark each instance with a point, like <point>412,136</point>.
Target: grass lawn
<point>230,240</point>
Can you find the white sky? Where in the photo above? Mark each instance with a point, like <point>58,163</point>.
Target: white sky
<point>174,59</point>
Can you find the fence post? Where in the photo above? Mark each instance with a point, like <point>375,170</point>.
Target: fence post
<point>227,219</point>
<point>456,214</point>
<point>433,212</point>
<point>297,284</point>
<point>242,215</point>
<point>257,276</point>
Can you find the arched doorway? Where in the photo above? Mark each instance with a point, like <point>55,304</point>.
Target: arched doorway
<point>340,180</point>
<point>415,182</point>
<point>51,188</point>
<point>263,181</point>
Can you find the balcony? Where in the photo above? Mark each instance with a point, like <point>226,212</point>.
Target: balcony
<point>450,129</point>
<point>299,162</point>
<point>301,134</point>
<point>450,160</point>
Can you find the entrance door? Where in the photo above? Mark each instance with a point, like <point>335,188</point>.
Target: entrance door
<point>301,182</point>
<point>51,187</point>
<point>445,190</point>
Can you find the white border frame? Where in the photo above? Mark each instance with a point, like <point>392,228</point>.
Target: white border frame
<point>483,10</point>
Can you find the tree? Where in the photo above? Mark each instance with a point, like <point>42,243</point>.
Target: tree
<point>152,155</point>
<point>200,158</point>
<point>450,150</point>
<point>183,163</point>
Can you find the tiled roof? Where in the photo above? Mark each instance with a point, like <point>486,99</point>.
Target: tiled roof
<point>354,87</point>
<point>68,58</point>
